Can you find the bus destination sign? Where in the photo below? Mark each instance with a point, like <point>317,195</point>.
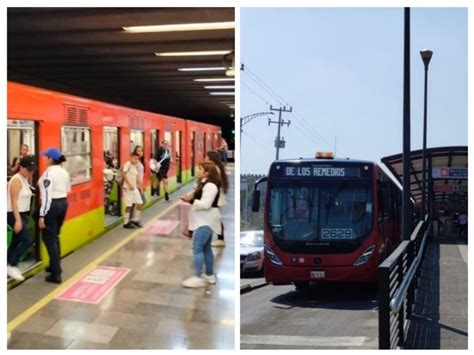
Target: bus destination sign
<point>323,171</point>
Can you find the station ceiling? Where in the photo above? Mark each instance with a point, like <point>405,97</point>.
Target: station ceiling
<point>85,52</point>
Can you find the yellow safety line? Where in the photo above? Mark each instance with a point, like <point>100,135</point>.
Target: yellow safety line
<point>78,275</point>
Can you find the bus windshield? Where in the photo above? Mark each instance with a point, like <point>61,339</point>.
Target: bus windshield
<point>321,212</point>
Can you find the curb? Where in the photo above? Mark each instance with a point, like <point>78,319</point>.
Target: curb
<point>248,287</point>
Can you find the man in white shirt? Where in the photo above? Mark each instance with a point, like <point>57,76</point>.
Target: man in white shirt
<point>131,189</point>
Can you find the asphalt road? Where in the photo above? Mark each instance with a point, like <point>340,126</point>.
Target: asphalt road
<point>322,317</point>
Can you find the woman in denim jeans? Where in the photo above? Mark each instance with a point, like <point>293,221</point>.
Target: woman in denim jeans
<point>18,208</point>
<point>204,219</point>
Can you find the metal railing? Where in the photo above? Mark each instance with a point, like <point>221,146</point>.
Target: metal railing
<point>398,281</point>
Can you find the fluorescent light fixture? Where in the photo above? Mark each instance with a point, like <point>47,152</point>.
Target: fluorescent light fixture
<point>203,69</point>
<point>205,80</point>
<point>181,27</point>
<point>212,87</point>
<point>192,53</point>
<point>222,93</point>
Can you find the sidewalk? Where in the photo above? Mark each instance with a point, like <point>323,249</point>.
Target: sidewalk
<point>440,317</point>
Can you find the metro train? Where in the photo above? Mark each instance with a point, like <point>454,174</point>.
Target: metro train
<point>88,131</point>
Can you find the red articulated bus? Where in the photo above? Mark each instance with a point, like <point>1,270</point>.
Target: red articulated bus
<point>97,138</point>
<point>328,220</point>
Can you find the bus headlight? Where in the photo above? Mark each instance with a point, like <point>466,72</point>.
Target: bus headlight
<point>272,256</point>
<point>365,256</point>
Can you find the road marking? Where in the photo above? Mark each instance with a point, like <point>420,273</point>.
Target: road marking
<point>81,273</point>
<point>306,341</point>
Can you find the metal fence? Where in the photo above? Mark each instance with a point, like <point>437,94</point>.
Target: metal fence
<point>398,281</point>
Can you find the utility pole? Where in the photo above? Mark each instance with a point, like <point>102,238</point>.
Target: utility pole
<point>279,143</point>
<point>406,207</point>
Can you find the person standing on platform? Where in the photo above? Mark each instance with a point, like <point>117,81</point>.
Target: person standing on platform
<point>15,167</point>
<point>215,158</point>
<point>462,224</point>
<point>163,157</point>
<point>54,184</point>
<point>18,211</point>
<point>204,219</point>
<point>131,189</point>
<point>141,175</point>
<point>223,151</point>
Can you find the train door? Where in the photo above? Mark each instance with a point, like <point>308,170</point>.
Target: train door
<point>111,151</point>
<point>204,142</point>
<point>193,162</point>
<point>154,145</point>
<point>23,134</point>
<point>178,155</point>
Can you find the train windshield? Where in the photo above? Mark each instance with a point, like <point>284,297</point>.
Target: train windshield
<point>321,212</point>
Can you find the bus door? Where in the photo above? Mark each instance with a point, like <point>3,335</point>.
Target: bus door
<point>178,155</point>
<point>23,134</point>
<point>111,168</point>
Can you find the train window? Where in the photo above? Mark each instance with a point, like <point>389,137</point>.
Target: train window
<point>76,147</point>
<point>169,139</point>
<point>20,132</point>
<point>136,138</point>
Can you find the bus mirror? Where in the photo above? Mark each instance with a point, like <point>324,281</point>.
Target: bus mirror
<point>256,201</point>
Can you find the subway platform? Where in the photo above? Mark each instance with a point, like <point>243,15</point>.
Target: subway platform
<point>146,307</point>
<point>439,320</point>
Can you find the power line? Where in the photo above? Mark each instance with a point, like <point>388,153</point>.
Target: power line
<point>265,85</point>
<point>255,93</point>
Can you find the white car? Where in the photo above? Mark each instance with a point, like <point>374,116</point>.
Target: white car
<point>251,251</point>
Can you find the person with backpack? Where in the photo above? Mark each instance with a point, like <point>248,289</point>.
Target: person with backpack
<point>215,158</point>
<point>204,220</point>
<point>163,157</point>
<point>131,184</point>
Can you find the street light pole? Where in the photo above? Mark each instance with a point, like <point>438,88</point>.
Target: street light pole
<point>406,207</point>
<point>426,57</point>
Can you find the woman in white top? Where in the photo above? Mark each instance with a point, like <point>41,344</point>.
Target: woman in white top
<point>215,158</point>
<point>141,175</point>
<point>54,184</point>
<point>204,219</point>
<point>18,211</point>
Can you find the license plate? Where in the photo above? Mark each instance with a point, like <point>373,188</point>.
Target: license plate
<point>318,274</point>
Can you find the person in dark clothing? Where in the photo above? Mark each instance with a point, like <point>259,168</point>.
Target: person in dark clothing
<point>55,184</point>
<point>163,157</point>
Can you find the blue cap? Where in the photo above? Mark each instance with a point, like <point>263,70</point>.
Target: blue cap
<point>52,153</point>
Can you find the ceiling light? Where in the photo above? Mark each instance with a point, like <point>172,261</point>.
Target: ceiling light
<point>222,93</point>
<point>203,69</point>
<point>181,27</point>
<point>193,53</point>
<point>220,87</point>
<point>214,79</point>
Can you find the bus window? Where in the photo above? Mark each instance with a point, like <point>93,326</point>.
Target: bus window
<point>332,211</point>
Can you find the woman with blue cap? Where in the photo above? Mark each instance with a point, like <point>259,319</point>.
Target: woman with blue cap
<point>54,184</point>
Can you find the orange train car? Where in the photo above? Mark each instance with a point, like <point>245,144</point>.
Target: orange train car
<point>89,133</point>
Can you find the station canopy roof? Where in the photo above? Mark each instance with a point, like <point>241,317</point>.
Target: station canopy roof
<point>85,52</point>
<point>450,189</point>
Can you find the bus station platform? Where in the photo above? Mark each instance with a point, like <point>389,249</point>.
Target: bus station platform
<point>123,291</point>
<point>439,320</point>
